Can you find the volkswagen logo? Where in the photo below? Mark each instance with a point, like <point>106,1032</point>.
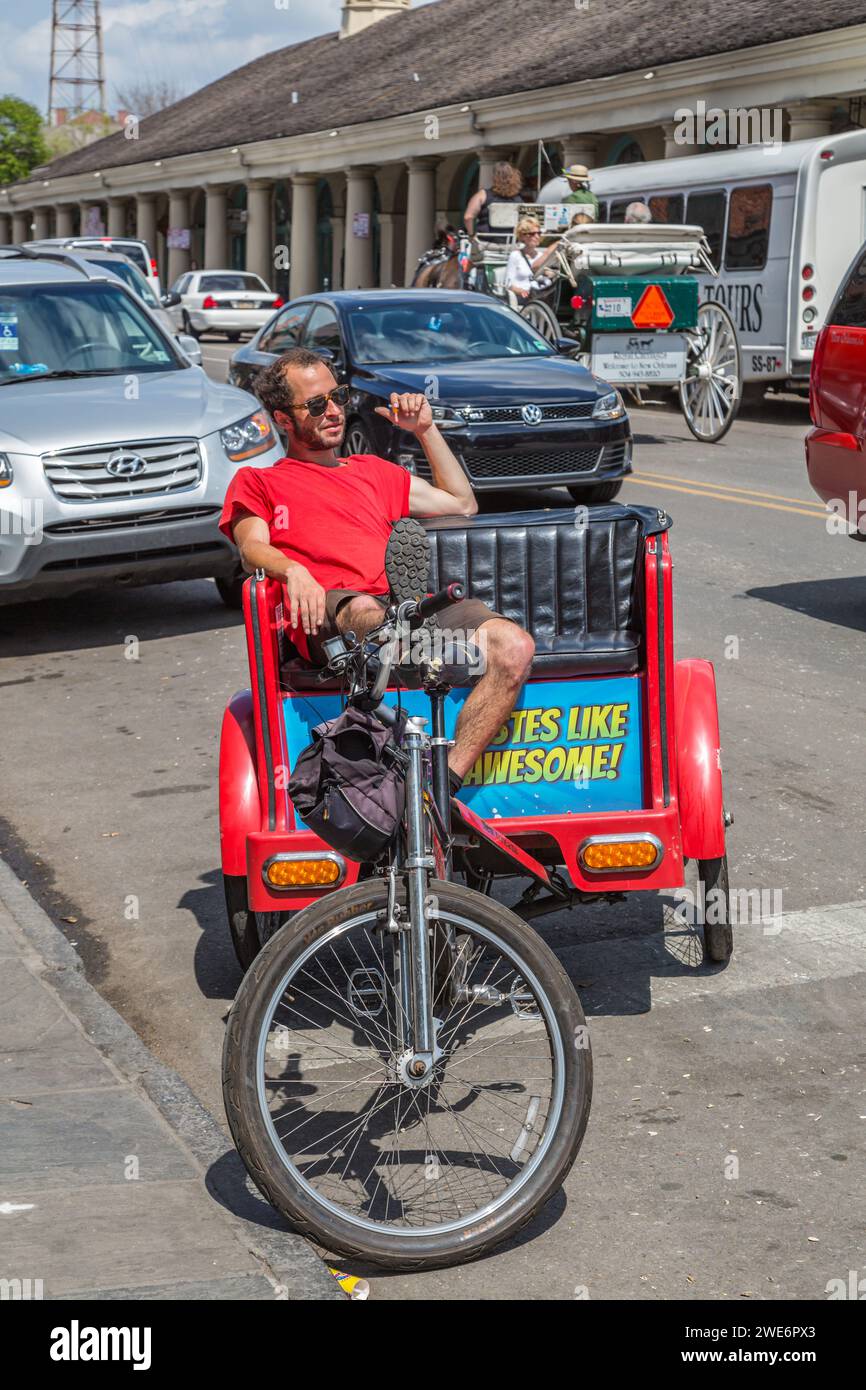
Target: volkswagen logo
<point>124,464</point>
<point>531,414</point>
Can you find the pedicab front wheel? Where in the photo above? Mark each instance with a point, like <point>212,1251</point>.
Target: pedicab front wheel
<point>711,390</point>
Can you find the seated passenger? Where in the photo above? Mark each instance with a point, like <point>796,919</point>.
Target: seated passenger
<point>526,260</point>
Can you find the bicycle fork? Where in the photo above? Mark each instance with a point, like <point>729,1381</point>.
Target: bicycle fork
<point>412,946</point>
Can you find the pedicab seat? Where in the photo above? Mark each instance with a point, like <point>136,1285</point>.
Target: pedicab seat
<point>577,588</point>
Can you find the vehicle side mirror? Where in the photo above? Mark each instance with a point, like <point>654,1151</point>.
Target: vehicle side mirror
<point>332,359</point>
<point>190,347</point>
<point>566,345</point>
<point>170,299</point>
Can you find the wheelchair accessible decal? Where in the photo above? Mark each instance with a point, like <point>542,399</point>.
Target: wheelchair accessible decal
<point>568,747</point>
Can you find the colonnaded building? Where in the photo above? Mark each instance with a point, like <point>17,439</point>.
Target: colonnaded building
<point>328,163</point>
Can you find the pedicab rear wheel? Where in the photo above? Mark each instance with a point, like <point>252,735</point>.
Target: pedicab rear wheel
<point>718,932</point>
<point>249,930</point>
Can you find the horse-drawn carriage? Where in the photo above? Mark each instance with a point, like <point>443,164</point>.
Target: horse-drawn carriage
<point>628,295</point>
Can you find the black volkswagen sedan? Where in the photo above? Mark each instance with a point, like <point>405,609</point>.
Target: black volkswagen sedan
<point>519,412</point>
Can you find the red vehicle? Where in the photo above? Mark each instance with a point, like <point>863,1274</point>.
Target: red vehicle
<point>837,404</point>
<point>341,1074</point>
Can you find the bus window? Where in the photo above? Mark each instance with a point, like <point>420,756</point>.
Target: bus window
<point>618,207</point>
<point>602,211</point>
<point>707,210</point>
<point>669,208</point>
<point>749,228</point>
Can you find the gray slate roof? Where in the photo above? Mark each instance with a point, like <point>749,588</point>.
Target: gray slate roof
<point>461,50</point>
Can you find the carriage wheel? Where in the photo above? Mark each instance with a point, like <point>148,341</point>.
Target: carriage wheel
<point>542,318</point>
<point>711,391</point>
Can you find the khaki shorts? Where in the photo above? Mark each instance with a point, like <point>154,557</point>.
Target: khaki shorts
<point>465,616</point>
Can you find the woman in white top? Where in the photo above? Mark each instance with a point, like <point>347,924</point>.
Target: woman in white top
<point>526,260</point>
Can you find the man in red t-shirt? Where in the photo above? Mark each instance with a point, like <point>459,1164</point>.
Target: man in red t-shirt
<point>320,522</point>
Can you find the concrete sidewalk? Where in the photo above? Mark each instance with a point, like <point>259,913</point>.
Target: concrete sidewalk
<point>115,1182</point>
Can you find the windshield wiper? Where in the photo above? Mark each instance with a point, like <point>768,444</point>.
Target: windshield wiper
<point>66,373</point>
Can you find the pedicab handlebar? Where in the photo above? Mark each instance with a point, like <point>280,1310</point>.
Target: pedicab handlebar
<point>370,661</point>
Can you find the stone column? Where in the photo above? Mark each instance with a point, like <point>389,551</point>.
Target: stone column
<point>117,217</point>
<point>145,220</point>
<point>486,160</point>
<point>178,216</point>
<point>675,149</point>
<point>809,119</point>
<point>260,231</point>
<point>386,250</point>
<point>216,238</point>
<point>338,246</point>
<point>358,271</point>
<point>64,220</point>
<point>420,211</point>
<point>5,229</point>
<point>579,149</point>
<point>21,226</point>
<point>41,223</point>
<point>302,252</point>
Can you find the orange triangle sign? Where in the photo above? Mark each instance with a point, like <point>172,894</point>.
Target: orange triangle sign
<point>652,309</point>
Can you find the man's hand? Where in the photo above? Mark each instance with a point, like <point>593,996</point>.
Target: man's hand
<point>306,599</point>
<point>410,412</point>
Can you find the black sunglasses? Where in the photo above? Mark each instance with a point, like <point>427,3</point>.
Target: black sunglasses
<point>317,405</point>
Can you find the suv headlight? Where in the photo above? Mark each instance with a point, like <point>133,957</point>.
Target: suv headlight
<point>5,471</point>
<point>609,407</point>
<point>248,437</point>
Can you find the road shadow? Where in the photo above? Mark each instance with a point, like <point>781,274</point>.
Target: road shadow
<point>215,965</point>
<point>840,602</point>
<point>104,617</point>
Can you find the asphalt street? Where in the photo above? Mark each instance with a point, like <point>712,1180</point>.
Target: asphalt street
<point>723,1157</point>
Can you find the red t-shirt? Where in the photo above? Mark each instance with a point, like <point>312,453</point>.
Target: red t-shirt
<point>336,521</point>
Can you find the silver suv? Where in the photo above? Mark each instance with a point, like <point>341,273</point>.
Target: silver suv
<point>115,450</point>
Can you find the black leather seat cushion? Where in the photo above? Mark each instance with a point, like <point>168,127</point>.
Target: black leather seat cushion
<point>575,588</point>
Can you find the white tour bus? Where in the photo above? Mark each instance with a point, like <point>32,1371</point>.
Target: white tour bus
<point>783,223</point>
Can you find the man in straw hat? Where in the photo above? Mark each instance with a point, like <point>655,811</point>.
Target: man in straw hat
<point>580,191</point>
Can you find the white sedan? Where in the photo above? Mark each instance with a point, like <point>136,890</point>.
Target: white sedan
<point>220,301</point>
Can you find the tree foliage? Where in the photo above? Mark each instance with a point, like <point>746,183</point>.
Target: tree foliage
<point>22,146</point>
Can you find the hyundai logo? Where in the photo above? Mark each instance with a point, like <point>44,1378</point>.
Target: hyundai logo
<point>531,414</point>
<point>124,464</point>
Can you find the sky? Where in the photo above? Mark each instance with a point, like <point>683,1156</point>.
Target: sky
<point>190,42</point>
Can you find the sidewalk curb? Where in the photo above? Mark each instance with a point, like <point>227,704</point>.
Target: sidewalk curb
<point>258,1226</point>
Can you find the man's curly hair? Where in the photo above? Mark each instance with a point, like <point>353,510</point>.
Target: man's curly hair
<point>271,385</point>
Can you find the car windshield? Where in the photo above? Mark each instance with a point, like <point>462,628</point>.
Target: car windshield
<point>81,329</point>
<point>130,275</point>
<point>423,331</point>
<point>250,283</point>
<point>126,248</point>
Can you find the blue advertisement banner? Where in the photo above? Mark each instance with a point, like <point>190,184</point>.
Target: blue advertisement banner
<point>569,746</point>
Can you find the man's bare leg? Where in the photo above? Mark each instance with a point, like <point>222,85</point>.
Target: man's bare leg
<point>360,615</point>
<point>508,651</point>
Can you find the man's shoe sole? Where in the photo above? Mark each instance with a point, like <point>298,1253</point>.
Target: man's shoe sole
<point>407,560</point>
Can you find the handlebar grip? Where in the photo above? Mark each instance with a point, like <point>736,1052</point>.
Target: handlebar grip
<point>434,603</point>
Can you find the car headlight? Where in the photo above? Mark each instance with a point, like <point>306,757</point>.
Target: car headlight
<point>446,418</point>
<point>5,471</point>
<point>609,407</point>
<point>248,437</point>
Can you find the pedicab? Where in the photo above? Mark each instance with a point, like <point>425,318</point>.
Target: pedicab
<point>407,1070</point>
<point>628,295</point>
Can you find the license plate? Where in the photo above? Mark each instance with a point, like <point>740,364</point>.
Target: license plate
<point>613,308</point>
<point>243,304</point>
<point>627,357</point>
<point>807,341</point>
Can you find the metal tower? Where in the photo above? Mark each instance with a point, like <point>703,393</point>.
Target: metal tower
<point>77,72</point>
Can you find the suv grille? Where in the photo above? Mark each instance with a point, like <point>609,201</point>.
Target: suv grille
<point>129,521</point>
<point>500,463</point>
<point>83,475</point>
